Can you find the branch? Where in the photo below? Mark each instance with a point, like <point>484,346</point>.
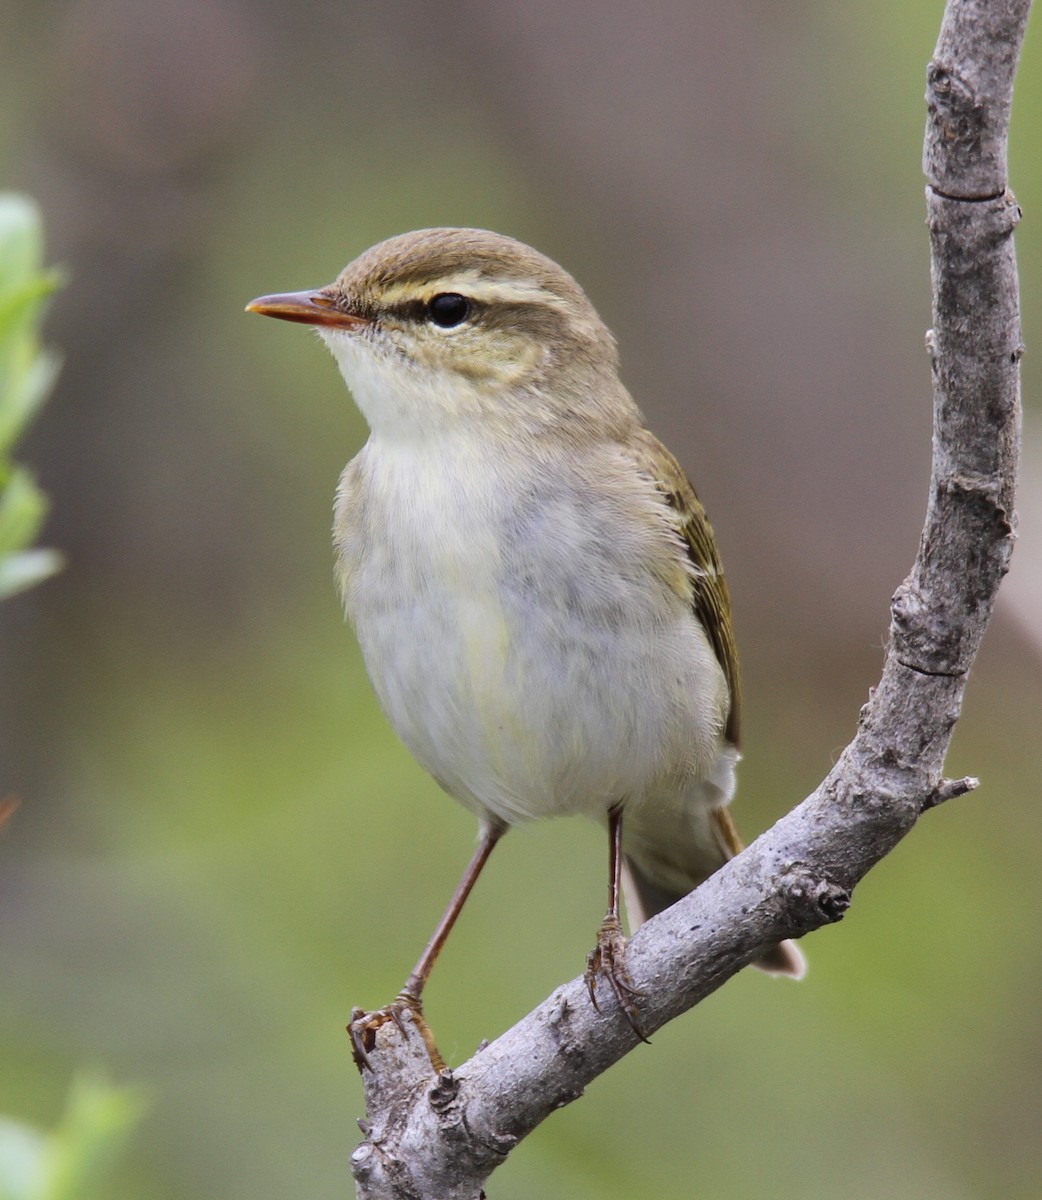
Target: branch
<point>442,1136</point>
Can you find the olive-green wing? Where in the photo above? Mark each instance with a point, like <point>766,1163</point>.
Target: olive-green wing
<point>709,596</point>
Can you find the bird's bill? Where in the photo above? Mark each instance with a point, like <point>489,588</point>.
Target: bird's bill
<point>306,308</point>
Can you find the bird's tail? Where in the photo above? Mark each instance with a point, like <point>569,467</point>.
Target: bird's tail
<point>667,855</point>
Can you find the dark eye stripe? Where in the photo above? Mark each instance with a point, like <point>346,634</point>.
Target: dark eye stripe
<point>538,319</point>
<point>446,309</point>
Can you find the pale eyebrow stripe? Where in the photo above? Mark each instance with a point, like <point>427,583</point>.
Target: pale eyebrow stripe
<point>481,289</point>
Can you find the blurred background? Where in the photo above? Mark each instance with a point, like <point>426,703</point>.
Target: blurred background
<point>221,847</point>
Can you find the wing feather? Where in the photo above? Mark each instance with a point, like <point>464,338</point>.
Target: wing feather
<point>710,599</point>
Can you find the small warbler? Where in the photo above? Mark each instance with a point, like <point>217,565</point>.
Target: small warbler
<point>534,584</point>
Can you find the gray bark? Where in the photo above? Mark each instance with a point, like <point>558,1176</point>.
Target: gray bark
<point>440,1137</point>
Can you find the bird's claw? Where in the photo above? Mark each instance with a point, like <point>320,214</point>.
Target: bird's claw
<point>363,1027</point>
<point>607,960</point>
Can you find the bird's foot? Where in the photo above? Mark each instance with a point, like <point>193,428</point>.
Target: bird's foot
<point>405,1009</point>
<point>607,960</point>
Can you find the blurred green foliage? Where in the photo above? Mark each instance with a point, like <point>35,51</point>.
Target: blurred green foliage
<point>73,1162</point>
<point>27,373</point>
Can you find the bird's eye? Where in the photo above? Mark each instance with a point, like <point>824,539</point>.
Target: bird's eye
<point>448,309</point>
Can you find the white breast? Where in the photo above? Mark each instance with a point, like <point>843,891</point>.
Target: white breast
<point>516,636</point>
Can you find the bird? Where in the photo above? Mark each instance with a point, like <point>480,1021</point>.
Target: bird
<point>533,582</point>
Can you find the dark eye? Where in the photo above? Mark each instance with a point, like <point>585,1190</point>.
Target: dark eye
<point>448,309</point>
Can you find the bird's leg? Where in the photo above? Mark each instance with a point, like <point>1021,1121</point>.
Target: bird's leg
<point>608,957</point>
<point>364,1025</point>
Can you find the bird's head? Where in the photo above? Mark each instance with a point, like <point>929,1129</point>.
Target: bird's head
<point>445,325</point>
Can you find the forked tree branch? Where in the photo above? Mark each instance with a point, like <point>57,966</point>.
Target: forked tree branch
<point>441,1136</point>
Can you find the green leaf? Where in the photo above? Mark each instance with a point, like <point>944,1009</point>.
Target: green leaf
<point>21,306</point>
<point>23,395</point>
<point>23,1161</point>
<point>21,239</point>
<point>18,572</point>
<point>88,1141</point>
<point>22,509</point>
<point>75,1161</point>
<point>27,374</point>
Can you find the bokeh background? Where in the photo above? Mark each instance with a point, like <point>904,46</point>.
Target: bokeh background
<point>221,847</point>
